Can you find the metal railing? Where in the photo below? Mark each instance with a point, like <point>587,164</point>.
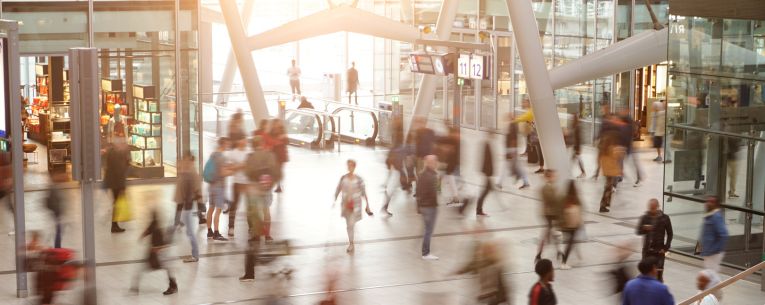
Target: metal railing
<point>726,283</point>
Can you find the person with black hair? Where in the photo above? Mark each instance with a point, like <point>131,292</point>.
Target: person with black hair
<point>645,289</point>
<point>656,228</point>
<point>542,292</point>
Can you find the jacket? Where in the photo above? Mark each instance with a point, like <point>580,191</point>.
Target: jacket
<point>425,138</point>
<point>488,162</point>
<point>427,189</point>
<point>611,161</point>
<point>714,235</point>
<point>117,163</point>
<point>654,240</point>
<point>188,188</point>
<point>550,200</point>
<point>541,294</point>
<point>259,163</point>
<point>646,290</point>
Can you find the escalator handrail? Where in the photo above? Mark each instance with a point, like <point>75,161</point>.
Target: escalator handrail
<point>310,112</point>
<point>375,121</point>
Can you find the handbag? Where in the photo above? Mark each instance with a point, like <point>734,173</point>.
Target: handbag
<point>122,210</point>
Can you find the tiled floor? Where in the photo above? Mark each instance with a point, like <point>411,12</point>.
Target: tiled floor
<point>386,268</point>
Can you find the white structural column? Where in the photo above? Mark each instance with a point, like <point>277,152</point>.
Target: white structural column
<point>243,56</point>
<point>230,70</point>
<point>540,90</point>
<point>427,89</point>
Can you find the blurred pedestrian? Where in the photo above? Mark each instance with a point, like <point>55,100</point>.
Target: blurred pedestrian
<point>658,128</point>
<point>488,170</point>
<point>294,73</point>
<point>620,274</point>
<point>576,143</point>
<point>55,267</point>
<point>427,202</point>
<point>425,139</point>
<point>732,147</point>
<point>55,203</point>
<point>154,258</point>
<point>551,211</point>
<point>646,289</point>
<point>278,136</point>
<point>236,160</point>
<point>707,279</point>
<point>610,159</point>
<point>352,86</point>
<point>450,155</point>
<point>188,189</point>
<point>714,235</point>
<point>262,171</point>
<point>262,130</point>
<point>608,123</point>
<point>542,292</point>
<point>353,189</point>
<point>236,127</point>
<point>571,220</point>
<point>304,103</point>
<point>215,173</point>
<point>626,135</point>
<point>117,160</point>
<point>487,263</point>
<point>512,166</point>
<point>655,226</point>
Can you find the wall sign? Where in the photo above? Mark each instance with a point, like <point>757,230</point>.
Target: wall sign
<point>463,66</point>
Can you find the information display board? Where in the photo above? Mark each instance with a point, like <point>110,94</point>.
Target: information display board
<point>421,63</point>
<point>472,66</point>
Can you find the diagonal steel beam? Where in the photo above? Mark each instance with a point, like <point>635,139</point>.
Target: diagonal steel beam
<point>230,70</point>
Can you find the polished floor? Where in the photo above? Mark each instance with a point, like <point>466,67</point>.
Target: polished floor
<point>386,267</point>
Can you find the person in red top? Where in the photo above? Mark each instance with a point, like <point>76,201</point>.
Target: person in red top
<point>263,132</point>
<point>279,141</point>
<point>542,292</point>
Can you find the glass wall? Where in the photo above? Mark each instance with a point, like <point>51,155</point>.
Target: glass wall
<point>147,70</point>
<point>716,138</point>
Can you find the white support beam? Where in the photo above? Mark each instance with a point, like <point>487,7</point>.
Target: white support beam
<point>209,15</point>
<point>427,90</point>
<point>644,49</point>
<point>540,89</point>
<point>338,19</point>
<point>238,35</point>
<point>229,72</point>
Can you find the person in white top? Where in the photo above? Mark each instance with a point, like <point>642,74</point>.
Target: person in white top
<point>237,158</point>
<point>658,128</point>
<point>294,74</point>
<point>708,279</point>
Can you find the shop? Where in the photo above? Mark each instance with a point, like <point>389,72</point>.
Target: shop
<point>148,76</point>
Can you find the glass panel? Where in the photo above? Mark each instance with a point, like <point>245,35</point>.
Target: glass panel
<point>49,27</point>
<point>623,19</point>
<point>643,19</point>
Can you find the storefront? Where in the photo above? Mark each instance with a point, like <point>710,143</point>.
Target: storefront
<point>148,77</point>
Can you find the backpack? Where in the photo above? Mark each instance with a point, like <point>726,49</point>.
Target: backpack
<point>210,172</point>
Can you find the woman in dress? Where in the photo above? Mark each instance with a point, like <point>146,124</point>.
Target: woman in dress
<point>353,189</point>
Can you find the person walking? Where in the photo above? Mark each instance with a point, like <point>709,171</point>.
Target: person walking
<point>488,171</point>
<point>154,260</point>
<point>215,173</point>
<point>235,158</point>
<point>551,211</point>
<point>450,155</point>
<point>542,292</point>
<point>707,279</point>
<point>262,171</point>
<point>278,136</point>
<point>658,129</point>
<point>352,85</point>
<point>714,235</point>
<point>627,131</point>
<point>512,166</point>
<point>187,190</point>
<point>353,189</point>
<point>427,202</point>
<point>571,220</point>
<point>645,289</point>
<point>656,228</point>
<point>576,143</point>
<point>611,161</point>
<point>294,73</point>
<point>117,159</point>
<point>486,262</point>
<point>425,139</point>
<point>54,203</point>
<point>732,147</point>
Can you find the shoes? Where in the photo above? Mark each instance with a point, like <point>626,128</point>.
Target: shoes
<point>657,159</point>
<point>247,279</point>
<point>173,289</point>
<point>498,186</point>
<point>225,211</point>
<point>230,232</point>
<point>350,249</point>
<point>583,175</point>
<point>217,236</point>
<point>278,189</point>
<point>537,258</point>
<point>482,214</point>
<point>384,211</point>
<point>604,210</point>
<point>524,186</point>
<point>269,239</point>
<point>430,257</point>
<point>637,183</point>
<point>202,221</point>
<point>116,228</point>
<point>732,195</point>
<point>564,266</point>
<point>191,259</point>
<point>369,213</point>
<point>133,291</point>
<point>539,171</point>
<point>210,234</point>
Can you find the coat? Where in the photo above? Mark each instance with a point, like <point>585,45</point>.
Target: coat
<point>117,162</point>
<point>646,290</point>
<point>488,162</point>
<point>611,160</point>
